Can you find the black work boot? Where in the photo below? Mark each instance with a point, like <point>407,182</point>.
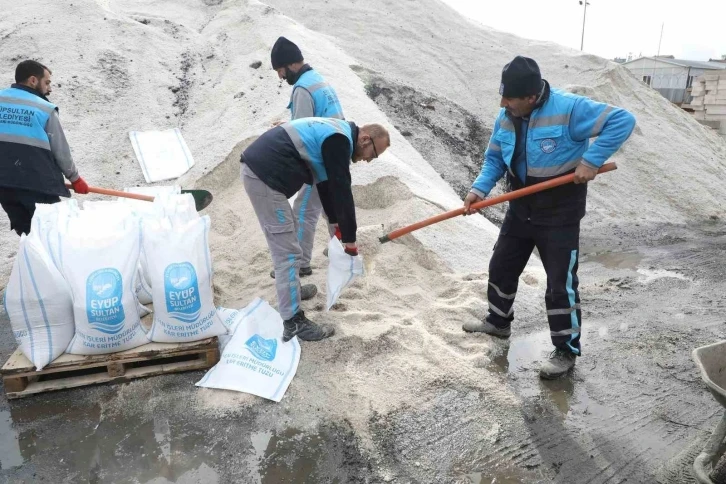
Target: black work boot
<point>308,291</point>
<point>305,329</point>
<point>488,328</point>
<point>558,364</point>
<point>304,272</point>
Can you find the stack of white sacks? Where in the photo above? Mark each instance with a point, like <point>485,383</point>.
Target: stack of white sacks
<point>82,277</point>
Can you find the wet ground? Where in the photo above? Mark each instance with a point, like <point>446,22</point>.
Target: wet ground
<point>630,412</point>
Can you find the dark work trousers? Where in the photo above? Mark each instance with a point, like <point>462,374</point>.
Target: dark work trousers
<point>20,207</point>
<point>558,248</point>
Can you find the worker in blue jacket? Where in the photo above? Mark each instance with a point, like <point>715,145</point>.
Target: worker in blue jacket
<point>539,134</point>
<point>311,96</point>
<point>34,154</point>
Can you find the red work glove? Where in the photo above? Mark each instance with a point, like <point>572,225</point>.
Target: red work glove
<point>338,234</point>
<point>353,251</point>
<point>80,186</point>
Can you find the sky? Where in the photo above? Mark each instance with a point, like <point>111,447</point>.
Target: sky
<point>694,29</point>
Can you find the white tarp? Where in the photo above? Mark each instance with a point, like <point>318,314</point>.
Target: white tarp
<point>256,360</point>
<point>163,155</point>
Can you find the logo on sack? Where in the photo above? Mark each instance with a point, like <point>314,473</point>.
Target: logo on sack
<point>548,145</point>
<point>182,292</point>
<point>104,307</point>
<point>263,349</point>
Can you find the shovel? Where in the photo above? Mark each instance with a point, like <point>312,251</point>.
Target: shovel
<point>202,198</point>
<point>537,187</point>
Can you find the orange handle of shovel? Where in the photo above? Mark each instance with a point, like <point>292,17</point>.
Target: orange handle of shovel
<point>523,192</point>
<point>117,193</point>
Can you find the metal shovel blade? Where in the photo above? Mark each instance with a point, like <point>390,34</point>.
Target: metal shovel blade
<point>202,198</point>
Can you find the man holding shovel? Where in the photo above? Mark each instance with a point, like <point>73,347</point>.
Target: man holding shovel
<point>34,153</point>
<point>311,97</point>
<point>312,151</point>
<point>539,134</point>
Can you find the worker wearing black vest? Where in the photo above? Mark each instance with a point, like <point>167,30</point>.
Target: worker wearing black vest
<point>34,154</point>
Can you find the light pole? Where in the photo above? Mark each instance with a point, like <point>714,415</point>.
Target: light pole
<point>584,14</point>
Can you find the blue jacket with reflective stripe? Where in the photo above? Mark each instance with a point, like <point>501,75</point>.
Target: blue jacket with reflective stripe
<point>26,160</point>
<point>557,142</point>
<point>308,135</point>
<point>310,151</point>
<point>24,115</point>
<point>324,96</point>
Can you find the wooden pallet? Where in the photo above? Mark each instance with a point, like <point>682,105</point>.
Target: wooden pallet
<point>68,371</point>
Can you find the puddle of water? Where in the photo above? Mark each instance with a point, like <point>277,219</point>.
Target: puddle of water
<point>522,354</point>
<point>260,442</point>
<point>325,454</point>
<point>10,455</point>
<point>499,475</point>
<point>294,456</point>
<point>97,447</point>
<point>162,437</point>
<point>204,474</point>
<point>289,456</point>
<point>615,260</point>
<point>522,357</point>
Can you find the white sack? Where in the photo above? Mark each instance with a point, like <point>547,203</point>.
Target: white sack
<point>101,267</point>
<point>38,303</point>
<point>180,269</point>
<point>256,360</point>
<point>143,289</point>
<point>230,317</point>
<point>46,222</point>
<point>343,269</point>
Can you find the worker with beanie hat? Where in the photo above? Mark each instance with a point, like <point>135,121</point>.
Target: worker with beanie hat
<point>542,133</point>
<point>311,96</point>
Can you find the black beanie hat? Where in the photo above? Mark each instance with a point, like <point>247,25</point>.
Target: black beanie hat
<point>520,78</point>
<point>285,53</point>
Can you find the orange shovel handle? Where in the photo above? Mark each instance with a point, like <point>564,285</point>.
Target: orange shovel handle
<point>117,193</point>
<point>555,182</point>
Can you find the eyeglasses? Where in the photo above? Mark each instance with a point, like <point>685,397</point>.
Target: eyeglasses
<point>375,151</point>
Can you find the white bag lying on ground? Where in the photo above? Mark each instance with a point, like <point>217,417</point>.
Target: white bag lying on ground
<point>101,267</point>
<point>163,155</point>
<point>256,360</point>
<point>230,317</point>
<point>38,303</point>
<point>343,269</point>
<point>180,268</point>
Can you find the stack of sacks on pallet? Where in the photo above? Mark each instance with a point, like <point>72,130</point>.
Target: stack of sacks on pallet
<point>78,277</point>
